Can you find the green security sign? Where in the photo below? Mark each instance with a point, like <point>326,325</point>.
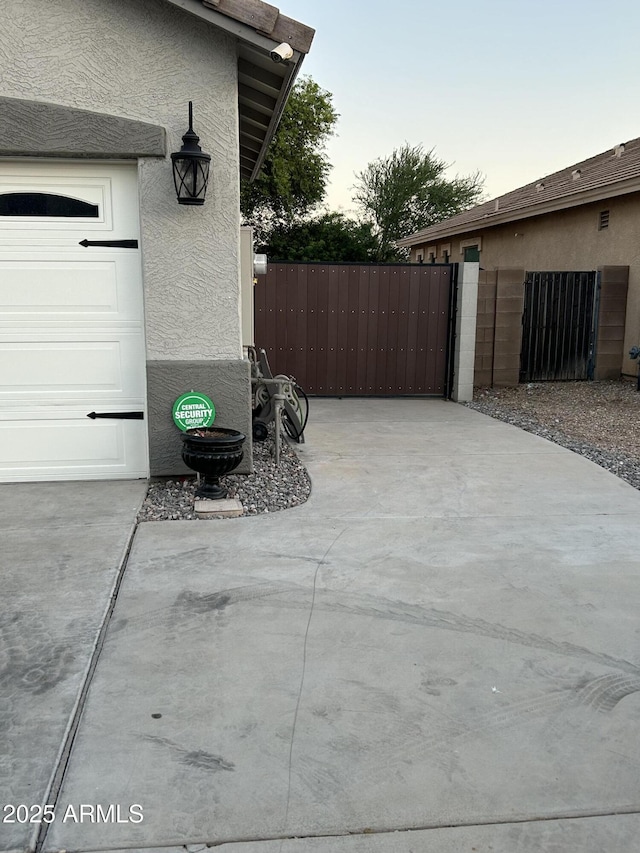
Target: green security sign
<point>193,410</point>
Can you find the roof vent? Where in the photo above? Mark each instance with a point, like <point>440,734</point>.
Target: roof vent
<point>618,151</point>
<point>539,187</point>
<point>497,205</point>
<point>576,174</point>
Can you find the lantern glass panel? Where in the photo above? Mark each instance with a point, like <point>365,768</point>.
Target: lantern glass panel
<point>191,177</point>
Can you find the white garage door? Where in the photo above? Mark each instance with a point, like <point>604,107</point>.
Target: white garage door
<point>71,323</point>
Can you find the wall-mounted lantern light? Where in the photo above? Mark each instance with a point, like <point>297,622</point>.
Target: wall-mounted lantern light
<point>190,167</point>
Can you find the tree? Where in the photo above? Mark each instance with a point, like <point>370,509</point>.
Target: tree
<point>329,238</point>
<point>406,192</point>
<point>295,171</point>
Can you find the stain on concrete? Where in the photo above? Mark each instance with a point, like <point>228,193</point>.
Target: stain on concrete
<point>432,685</point>
<point>197,758</point>
<point>197,602</point>
<point>206,761</point>
<point>203,603</point>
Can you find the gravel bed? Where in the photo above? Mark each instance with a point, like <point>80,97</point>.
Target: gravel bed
<point>268,489</point>
<point>598,420</point>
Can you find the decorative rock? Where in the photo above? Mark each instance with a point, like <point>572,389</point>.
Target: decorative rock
<point>595,419</point>
<point>270,487</point>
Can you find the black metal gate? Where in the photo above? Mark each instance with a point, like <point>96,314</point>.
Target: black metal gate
<point>559,326</point>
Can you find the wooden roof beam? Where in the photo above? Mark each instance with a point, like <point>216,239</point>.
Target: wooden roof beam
<point>249,95</point>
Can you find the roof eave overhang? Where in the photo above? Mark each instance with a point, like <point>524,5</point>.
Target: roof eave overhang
<point>292,70</point>
<point>258,45</point>
<point>505,217</point>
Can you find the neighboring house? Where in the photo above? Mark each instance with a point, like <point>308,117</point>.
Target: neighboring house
<point>585,217</point>
<point>93,99</point>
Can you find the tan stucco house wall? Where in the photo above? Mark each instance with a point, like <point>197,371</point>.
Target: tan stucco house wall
<point>585,217</point>
<point>564,240</point>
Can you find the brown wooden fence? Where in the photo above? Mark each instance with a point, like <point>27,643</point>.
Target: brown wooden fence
<point>357,329</point>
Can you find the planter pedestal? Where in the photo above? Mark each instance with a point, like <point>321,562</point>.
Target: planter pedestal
<point>212,452</point>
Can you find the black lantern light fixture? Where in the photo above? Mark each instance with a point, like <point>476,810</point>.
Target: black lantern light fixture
<point>190,167</point>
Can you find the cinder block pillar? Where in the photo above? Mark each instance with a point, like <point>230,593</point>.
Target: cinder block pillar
<point>614,284</point>
<point>485,327</point>
<point>508,327</point>
<point>465,343</point>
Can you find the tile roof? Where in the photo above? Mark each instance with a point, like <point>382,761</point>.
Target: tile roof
<point>614,172</point>
<point>265,19</point>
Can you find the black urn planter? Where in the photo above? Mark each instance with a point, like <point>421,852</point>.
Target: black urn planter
<point>212,452</point>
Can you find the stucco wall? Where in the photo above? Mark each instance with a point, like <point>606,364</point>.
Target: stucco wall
<point>568,240</point>
<point>145,61</point>
<point>220,380</point>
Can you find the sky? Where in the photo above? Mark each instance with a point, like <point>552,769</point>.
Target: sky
<point>515,89</point>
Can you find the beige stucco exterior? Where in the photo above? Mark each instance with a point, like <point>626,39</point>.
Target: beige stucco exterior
<point>89,80</point>
<point>569,239</point>
<point>145,61</point>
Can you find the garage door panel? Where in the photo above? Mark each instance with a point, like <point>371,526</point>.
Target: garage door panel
<point>51,180</point>
<point>54,445</point>
<point>67,290</point>
<point>54,289</point>
<point>63,369</point>
<point>71,322</point>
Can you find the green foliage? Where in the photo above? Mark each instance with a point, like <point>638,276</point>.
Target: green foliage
<point>296,168</point>
<point>406,192</point>
<point>330,238</point>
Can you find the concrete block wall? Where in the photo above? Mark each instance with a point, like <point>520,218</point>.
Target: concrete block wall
<point>508,330</point>
<point>499,329</point>
<point>499,325</point>
<point>614,284</point>
<point>487,283</point>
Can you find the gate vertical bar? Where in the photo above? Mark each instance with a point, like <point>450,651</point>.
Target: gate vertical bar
<point>403,328</point>
<point>451,329</point>
<point>335,282</point>
<point>350,281</point>
<point>381,317</point>
<point>372,329</point>
<point>563,321</point>
<point>577,336</point>
<point>342,309</point>
<point>301,343</point>
<point>391,371</point>
<point>412,328</point>
<point>593,341</point>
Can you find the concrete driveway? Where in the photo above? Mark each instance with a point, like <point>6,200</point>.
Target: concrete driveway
<point>63,548</point>
<point>439,651</point>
